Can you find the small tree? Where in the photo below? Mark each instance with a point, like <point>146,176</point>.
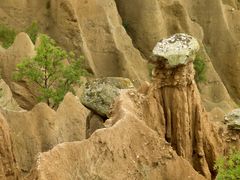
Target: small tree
<point>53,70</point>
<point>228,167</point>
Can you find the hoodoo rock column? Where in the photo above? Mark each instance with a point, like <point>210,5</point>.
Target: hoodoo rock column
<point>174,103</point>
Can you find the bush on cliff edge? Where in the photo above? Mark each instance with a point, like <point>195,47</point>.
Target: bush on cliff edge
<point>7,36</point>
<point>200,69</point>
<point>228,167</point>
<point>53,70</point>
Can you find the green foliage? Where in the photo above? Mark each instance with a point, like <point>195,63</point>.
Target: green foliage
<point>53,70</point>
<point>228,167</point>
<point>200,69</point>
<point>7,36</point>
<point>33,31</point>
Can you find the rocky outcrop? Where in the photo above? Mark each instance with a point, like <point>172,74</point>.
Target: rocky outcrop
<point>214,94</point>
<point>127,150</point>
<point>221,29</point>
<point>8,166</point>
<point>42,128</point>
<point>168,17</point>
<point>21,48</point>
<point>147,136</point>
<point>173,108</point>
<point>99,94</point>
<point>109,50</point>
<point>147,22</point>
<point>100,36</point>
<point>6,98</point>
<point>228,131</point>
<point>232,119</point>
<point>117,57</point>
<point>179,49</point>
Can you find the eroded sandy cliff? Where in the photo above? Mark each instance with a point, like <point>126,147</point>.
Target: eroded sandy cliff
<point>116,36</point>
<point>151,132</point>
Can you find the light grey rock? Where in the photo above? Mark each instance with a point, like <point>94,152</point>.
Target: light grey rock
<point>232,119</point>
<point>178,49</point>
<point>99,94</point>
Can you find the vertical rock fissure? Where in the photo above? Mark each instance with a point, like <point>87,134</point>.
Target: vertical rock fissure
<point>168,123</point>
<point>8,167</point>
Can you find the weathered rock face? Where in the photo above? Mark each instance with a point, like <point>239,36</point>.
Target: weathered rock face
<point>21,48</point>
<point>99,94</point>
<point>127,150</point>
<point>8,166</point>
<point>228,130</point>
<point>172,106</point>
<point>173,111</point>
<point>100,36</point>
<point>177,114</point>
<point>214,94</point>
<point>109,50</point>
<point>168,17</point>
<point>232,119</point>
<point>144,138</point>
<point>42,128</point>
<point>221,29</point>
<point>6,98</point>
<point>147,22</point>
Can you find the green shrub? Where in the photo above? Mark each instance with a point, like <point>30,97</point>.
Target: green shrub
<point>33,31</point>
<point>200,69</point>
<point>7,36</point>
<point>228,167</point>
<point>53,70</point>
